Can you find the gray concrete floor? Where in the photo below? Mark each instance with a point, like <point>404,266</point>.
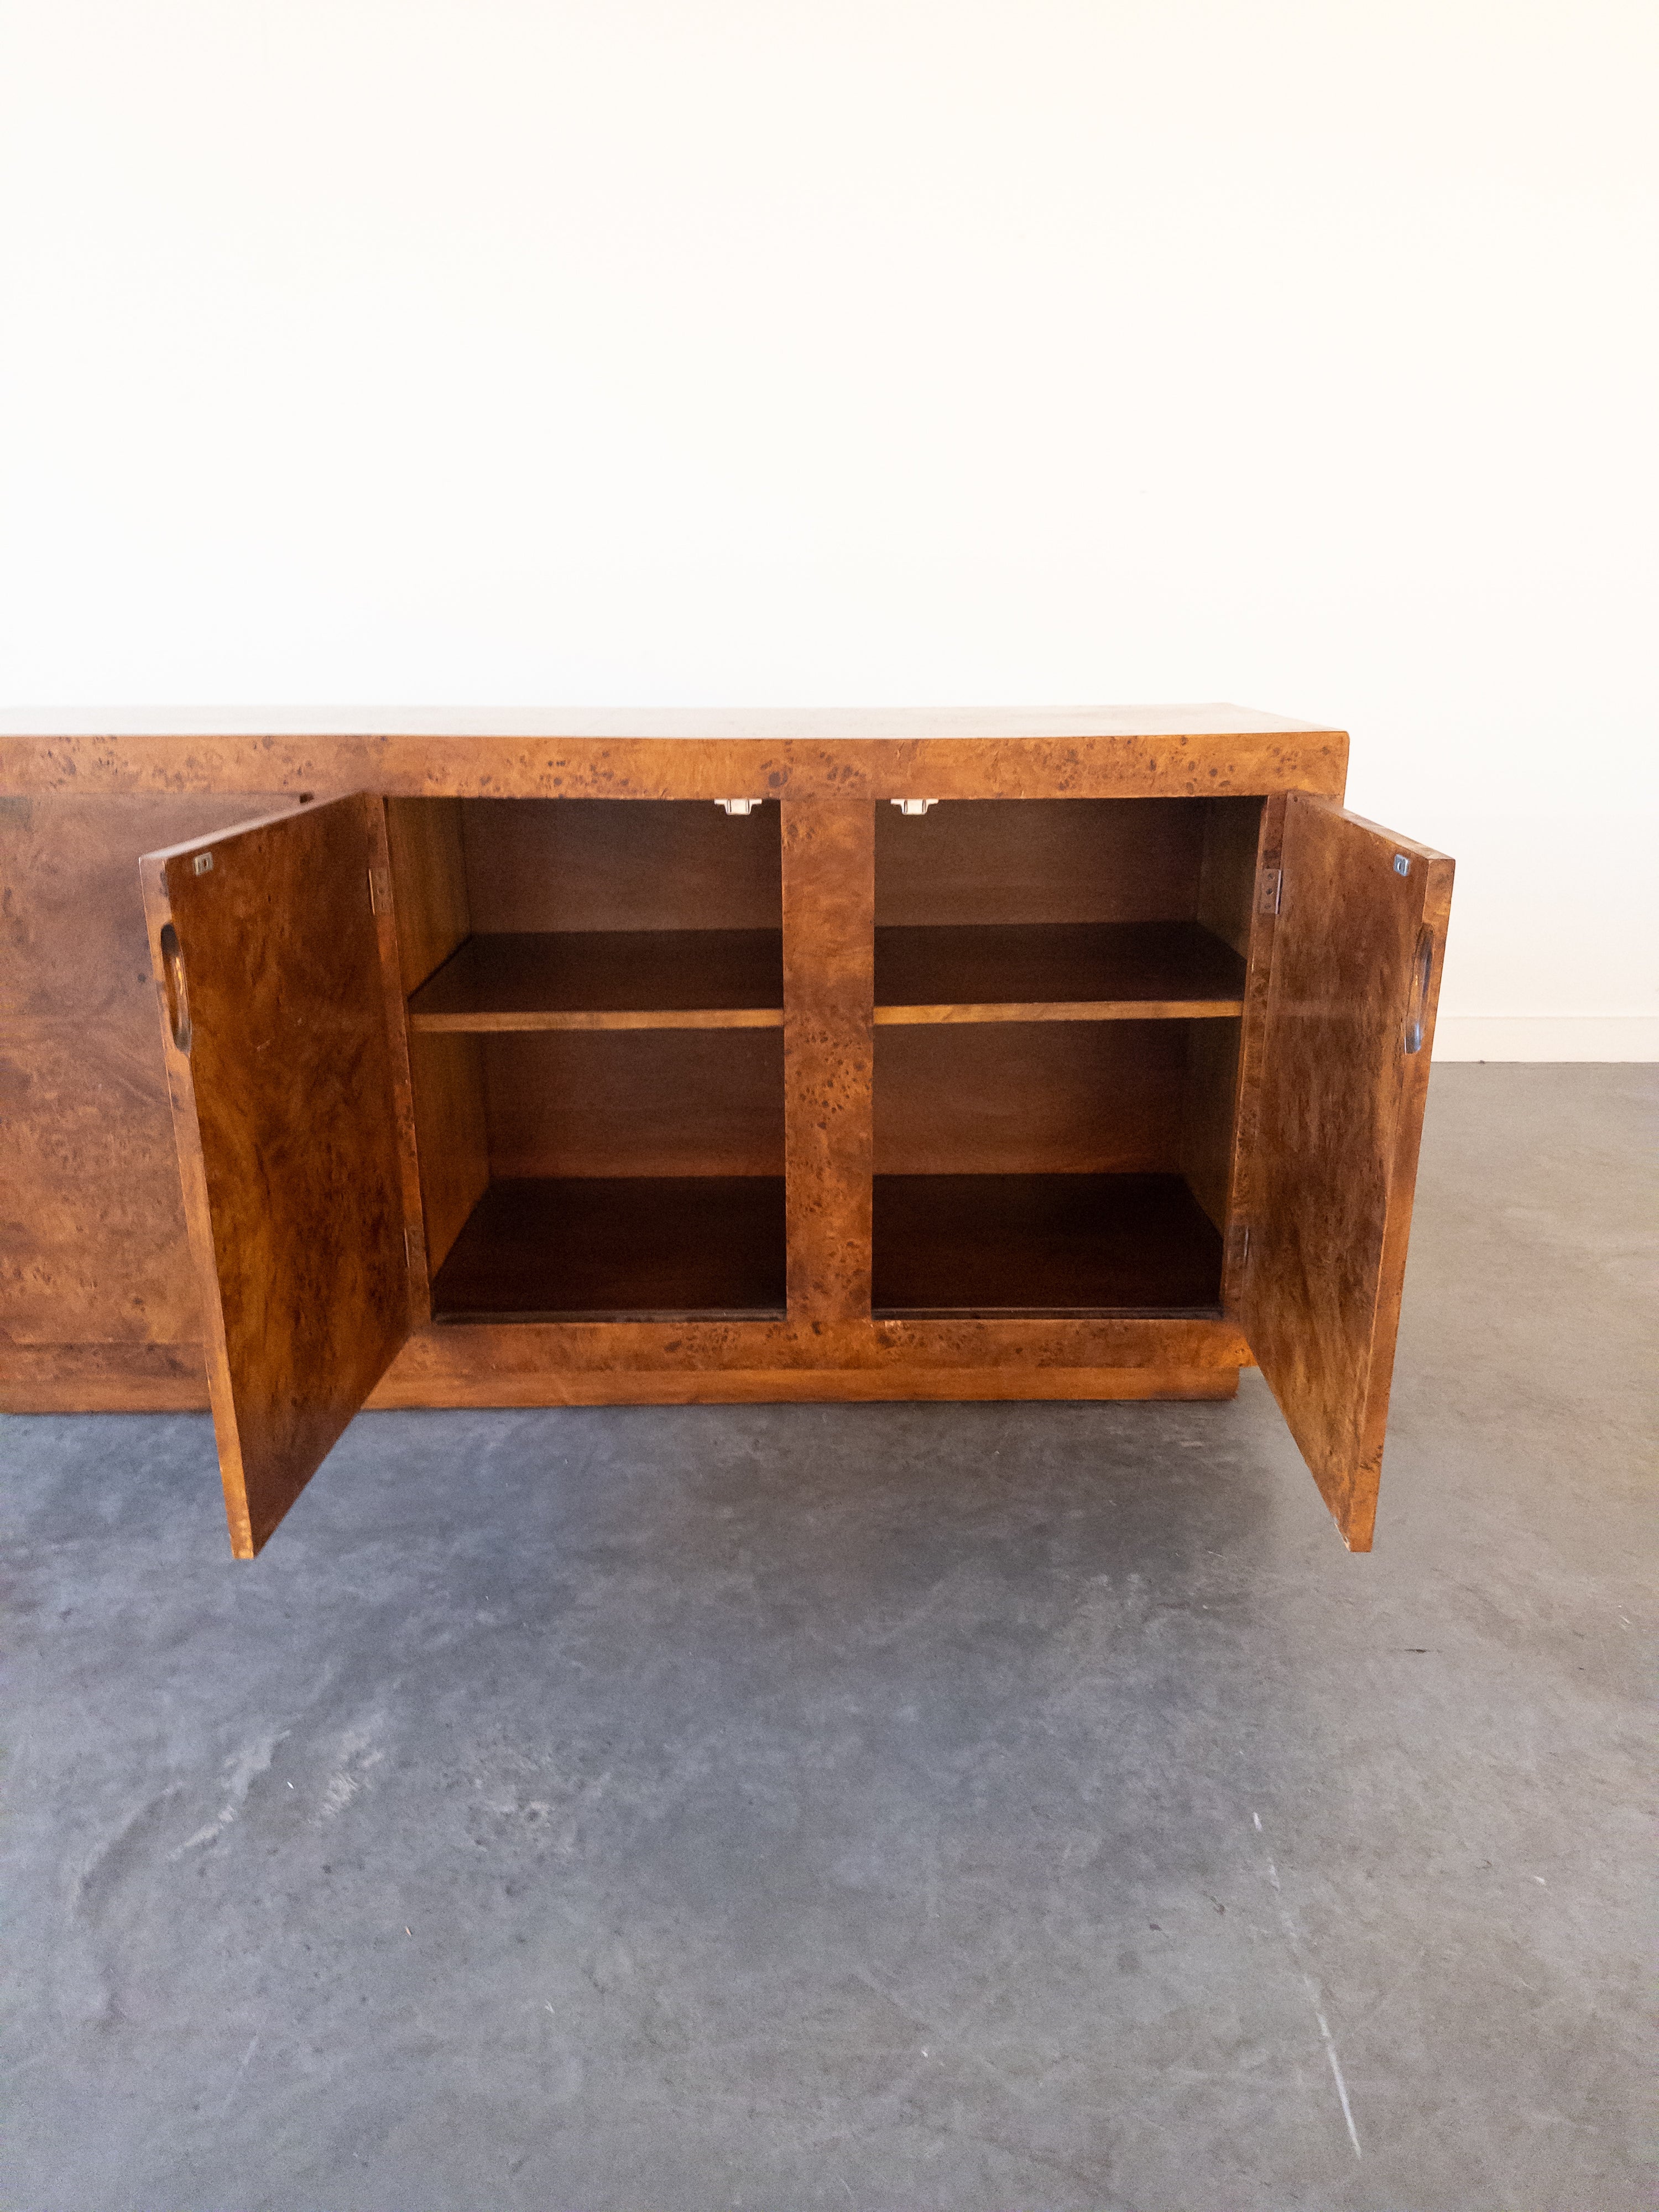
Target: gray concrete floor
<point>978,1808</point>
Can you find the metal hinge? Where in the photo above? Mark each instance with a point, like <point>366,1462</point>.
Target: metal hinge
<point>411,1243</point>
<point>1273,884</point>
<point>379,891</point>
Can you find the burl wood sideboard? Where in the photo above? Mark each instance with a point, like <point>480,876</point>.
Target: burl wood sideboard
<point>595,1059</point>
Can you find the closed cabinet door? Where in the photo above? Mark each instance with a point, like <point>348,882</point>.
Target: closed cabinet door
<point>1332,1162</point>
<point>277,982</point>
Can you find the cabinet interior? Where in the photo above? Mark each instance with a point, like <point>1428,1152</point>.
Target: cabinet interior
<point>1059,1139</point>
<point>596,1041</point>
<point>595,1013</point>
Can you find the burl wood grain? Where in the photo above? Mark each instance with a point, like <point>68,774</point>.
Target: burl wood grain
<point>1337,1125</point>
<point>1085,752</point>
<point>99,1306</point>
<point>99,1255</point>
<point>286,1108</point>
<point>464,1366</point>
<point>829,996</point>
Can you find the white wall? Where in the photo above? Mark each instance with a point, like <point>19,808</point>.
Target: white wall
<point>763,351</point>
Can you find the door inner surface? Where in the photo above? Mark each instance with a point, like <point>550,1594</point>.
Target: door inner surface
<point>1332,1167</point>
<point>268,963</point>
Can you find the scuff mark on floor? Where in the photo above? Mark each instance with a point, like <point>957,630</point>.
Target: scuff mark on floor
<point>1316,1997</point>
<point>241,1770</point>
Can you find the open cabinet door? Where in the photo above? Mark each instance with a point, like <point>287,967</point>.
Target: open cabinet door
<point>269,960</point>
<point>1333,1157</point>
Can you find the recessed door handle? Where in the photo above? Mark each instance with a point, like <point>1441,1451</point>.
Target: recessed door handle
<point>173,976</point>
<point>1422,968</point>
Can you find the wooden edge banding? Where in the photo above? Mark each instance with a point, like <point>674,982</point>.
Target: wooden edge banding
<point>813,1386</point>
<point>198,1219</point>
<point>828,768</point>
<point>771,1018</point>
<point>1064,1010</point>
<point>1357,1518</point>
<point>713,1018</point>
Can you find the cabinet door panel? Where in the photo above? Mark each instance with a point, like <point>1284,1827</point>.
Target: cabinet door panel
<point>269,955</point>
<point>1356,973</point>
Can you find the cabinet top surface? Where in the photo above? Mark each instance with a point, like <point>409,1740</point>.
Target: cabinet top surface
<point>833,724</point>
<point>592,751</point>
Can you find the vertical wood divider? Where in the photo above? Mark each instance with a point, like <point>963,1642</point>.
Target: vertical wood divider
<point>403,1085</point>
<point>1247,1100</point>
<point>828,1000</point>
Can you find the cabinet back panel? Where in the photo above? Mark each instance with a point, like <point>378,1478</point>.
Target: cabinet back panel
<point>620,864</point>
<point>1040,860</point>
<point>635,1103</point>
<point>1031,1098</point>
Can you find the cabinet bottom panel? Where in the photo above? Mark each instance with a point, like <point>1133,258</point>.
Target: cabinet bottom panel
<point>661,1248</point>
<point>995,1246</point>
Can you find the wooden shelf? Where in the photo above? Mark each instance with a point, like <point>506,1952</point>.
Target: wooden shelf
<point>614,978</point>
<point>643,1247</point>
<point>993,1247</point>
<point>734,978</point>
<point>1138,971</point>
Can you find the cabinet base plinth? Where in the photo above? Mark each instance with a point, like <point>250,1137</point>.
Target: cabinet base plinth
<point>103,1378</point>
<point>165,1379</point>
<point>809,1386</point>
